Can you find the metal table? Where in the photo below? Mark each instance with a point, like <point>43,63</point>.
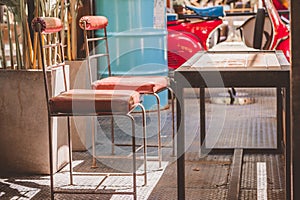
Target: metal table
<point>218,69</point>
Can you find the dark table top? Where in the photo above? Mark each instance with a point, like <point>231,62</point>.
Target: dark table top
<point>234,69</point>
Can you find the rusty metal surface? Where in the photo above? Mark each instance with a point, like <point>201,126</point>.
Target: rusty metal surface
<point>235,175</point>
<point>234,126</point>
<point>247,126</point>
<point>209,178</point>
<point>275,176</point>
<point>206,178</point>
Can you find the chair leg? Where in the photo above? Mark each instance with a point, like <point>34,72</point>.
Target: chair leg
<point>173,119</point>
<point>70,151</point>
<point>133,157</point>
<point>51,158</point>
<point>145,144</point>
<point>159,130</point>
<point>112,136</point>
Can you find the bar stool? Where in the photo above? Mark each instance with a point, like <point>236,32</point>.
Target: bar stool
<point>145,85</point>
<point>84,102</point>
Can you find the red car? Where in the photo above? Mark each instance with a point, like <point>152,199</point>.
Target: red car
<point>193,33</point>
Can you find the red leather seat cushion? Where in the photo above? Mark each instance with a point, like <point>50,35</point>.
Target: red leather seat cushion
<point>141,84</point>
<point>93,22</point>
<point>48,24</point>
<point>94,101</point>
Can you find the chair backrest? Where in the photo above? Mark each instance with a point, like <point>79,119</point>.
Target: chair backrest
<point>92,23</point>
<point>247,32</point>
<point>51,48</point>
<point>259,28</point>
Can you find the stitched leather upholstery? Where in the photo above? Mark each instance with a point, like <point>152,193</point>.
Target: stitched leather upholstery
<point>93,22</point>
<point>141,84</point>
<point>91,101</point>
<point>48,24</point>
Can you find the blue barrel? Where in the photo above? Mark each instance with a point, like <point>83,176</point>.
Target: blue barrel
<point>137,40</point>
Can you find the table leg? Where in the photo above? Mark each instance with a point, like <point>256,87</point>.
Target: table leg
<point>180,144</point>
<point>288,146</point>
<point>279,97</point>
<point>202,118</point>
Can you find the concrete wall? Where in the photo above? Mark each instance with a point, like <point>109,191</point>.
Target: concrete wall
<point>23,124</point>
<point>80,126</point>
<point>23,121</point>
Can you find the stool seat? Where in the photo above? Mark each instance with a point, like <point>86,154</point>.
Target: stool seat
<point>86,102</point>
<point>48,24</point>
<point>145,85</point>
<point>141,84</point>
<point>211,12</point>
<point>94,101</point>
<point>93,22</point>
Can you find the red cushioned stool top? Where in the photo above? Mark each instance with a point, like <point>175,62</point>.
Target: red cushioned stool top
<point>93,22</point>
<point>94,101</point>
<point>48,24</point>
<point>141,84</point>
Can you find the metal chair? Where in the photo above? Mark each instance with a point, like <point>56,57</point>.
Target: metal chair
<point>145,85</point>
<point>83,102</point>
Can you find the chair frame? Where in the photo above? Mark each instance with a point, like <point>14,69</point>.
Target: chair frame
<point>37,26</point>
<point>155,94</point>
